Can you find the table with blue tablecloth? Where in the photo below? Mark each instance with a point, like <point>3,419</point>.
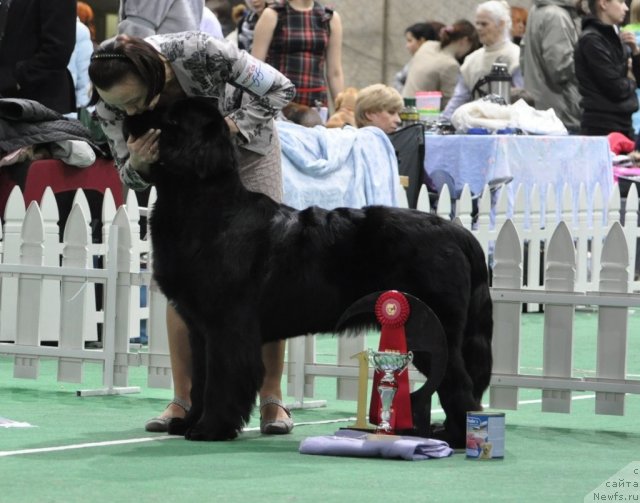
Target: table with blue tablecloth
<point>476,159</point>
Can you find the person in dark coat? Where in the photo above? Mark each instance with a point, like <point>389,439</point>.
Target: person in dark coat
<point>603,58</point>
<point>35,48</point>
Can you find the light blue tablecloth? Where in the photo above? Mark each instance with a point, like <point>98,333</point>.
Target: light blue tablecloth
<point>476,159</point>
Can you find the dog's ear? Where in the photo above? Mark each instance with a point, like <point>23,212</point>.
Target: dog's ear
<point>195,141</point>
<point>218,155</point>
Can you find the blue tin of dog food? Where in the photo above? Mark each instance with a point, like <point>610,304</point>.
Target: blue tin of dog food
<point>485,435</point>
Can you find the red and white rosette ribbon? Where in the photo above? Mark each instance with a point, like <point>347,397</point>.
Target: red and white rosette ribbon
<point>392,312</point>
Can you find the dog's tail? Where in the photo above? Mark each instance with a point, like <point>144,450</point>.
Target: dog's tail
<point>476,346</point>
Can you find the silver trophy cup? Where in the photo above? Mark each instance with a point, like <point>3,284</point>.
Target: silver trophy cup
<point>392,364</point>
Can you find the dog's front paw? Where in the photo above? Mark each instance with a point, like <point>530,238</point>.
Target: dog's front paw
<point>202,432</point>
<point>177,426</point>
<point>456,440</point>
<point>421,427</point>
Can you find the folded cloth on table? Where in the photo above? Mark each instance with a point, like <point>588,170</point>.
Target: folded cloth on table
<point>359,444</point>
<point>532,121</point>
<point>519,115</point>
<point>481,114</point>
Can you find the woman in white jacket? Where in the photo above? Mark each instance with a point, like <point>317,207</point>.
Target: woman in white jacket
<point>493,24</point>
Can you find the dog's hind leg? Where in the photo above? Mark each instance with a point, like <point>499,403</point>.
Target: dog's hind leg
<point>421,412</point>
<point>476,346</point>
<point>456,397</point>
<point>234,373</point>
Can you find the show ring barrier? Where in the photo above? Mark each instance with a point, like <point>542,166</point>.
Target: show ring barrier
<point>583,258</point>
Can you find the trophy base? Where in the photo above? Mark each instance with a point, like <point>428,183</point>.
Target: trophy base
<point>384,437</point>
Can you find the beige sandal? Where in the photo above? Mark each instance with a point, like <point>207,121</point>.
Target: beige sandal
<point>275,426</point>
<point>160,424</point>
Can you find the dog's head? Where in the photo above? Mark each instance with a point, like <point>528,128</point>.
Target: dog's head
<point>195,141</point>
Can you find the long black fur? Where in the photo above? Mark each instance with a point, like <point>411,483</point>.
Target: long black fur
<point>244,270</point>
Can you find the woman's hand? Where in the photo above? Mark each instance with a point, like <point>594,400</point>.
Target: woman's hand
<point>143,151</point>
<point>233,128</point>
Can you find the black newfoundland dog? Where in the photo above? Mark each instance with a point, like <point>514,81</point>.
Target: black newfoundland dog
<point>244,270</point>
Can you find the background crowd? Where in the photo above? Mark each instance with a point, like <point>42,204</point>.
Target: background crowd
<point>546,54</point>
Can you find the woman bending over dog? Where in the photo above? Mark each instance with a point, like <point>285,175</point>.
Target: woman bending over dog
<point>131,76</point>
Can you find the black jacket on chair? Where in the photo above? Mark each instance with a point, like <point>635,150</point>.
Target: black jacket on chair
<point>26,122</point>
<point>608,94</point>
<point>38,40</point>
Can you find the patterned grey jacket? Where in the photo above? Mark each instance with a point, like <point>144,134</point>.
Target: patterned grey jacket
<point>217,69</point>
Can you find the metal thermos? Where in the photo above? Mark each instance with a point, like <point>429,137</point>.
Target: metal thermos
<point>500,81</point>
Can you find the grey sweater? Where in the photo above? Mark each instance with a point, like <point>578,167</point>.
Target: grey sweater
<point>143,18</point>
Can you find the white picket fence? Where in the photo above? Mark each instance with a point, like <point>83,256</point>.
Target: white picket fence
<point>588,258</point>
<point>525,264</point>
<point>47,293</point>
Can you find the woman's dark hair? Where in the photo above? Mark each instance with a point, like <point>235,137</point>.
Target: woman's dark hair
<point>587,7</point>
<point>422,31</point>
<point>459,30</point>
<point>437,27</point>
<point>580,8</point>
<point>127,56</point>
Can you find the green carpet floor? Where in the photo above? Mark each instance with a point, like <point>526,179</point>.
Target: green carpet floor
<point>549,457</point>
